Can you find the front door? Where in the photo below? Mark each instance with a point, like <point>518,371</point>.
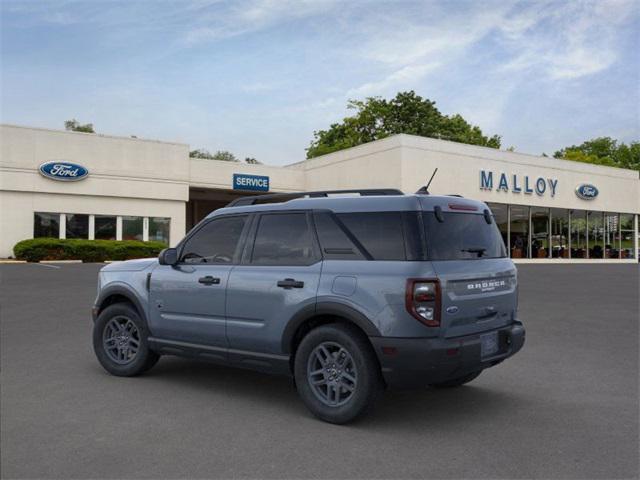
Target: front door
<point>278,277</point>
<point>187,301</point>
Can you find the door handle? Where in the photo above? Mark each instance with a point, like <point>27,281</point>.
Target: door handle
<point>290,283</point>
<point>209,280</point>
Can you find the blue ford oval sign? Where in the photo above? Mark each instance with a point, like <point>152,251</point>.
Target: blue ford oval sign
<point>63,171</point>
<point>586,191</point>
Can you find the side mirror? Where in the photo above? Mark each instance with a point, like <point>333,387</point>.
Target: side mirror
<point>168,256</point>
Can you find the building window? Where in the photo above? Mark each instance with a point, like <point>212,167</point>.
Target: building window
<point>77,226</point>
<point>159,229</point>
<point>595,238</point>
<point>519,231</point>
<point>46,225</point>
<point>611,235</point>
<point>540,232</point>
<point>105,227</point>
<point>578,234</point>
<point>501,216</point>
<point>559,233</point>
<point>132,228</point>
<point>627,233</point>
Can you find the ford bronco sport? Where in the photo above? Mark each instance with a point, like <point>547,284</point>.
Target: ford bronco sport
<point>348,294</point>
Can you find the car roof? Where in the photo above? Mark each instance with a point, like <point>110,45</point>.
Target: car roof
<point>372,203</point>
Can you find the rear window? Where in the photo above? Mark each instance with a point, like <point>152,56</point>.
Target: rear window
<point>462,236</point>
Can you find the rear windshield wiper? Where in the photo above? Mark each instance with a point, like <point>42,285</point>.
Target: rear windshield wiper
<point>480,251</point>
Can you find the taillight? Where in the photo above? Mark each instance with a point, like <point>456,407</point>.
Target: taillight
<point>423,300</point>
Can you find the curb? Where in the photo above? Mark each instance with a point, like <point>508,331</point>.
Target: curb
<point>60,261</point>
<point>4,260</point>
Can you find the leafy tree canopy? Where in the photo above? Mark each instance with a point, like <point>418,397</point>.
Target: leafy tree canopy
<point>604,151</point>
<point>377,118</point>
<point>219,155</point>
<point>75,126</point>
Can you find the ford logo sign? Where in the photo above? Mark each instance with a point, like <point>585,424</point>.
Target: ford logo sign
<point>586,191</point>
<point>63,171</point>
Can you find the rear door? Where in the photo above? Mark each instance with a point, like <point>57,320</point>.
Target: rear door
<point>478,282</point>
<point>278,277</point>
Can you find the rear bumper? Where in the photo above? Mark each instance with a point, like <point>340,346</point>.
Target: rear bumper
<point>416,362</point>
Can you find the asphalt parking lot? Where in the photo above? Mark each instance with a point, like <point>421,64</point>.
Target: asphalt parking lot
<point>565,407</point>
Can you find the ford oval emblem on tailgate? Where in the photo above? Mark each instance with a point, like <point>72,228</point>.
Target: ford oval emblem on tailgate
<point>452,310</point>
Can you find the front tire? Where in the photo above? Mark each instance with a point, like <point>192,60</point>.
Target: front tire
<point>337,373</point>
<point>120,341</point>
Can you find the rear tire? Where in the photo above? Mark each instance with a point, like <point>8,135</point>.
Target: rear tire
<point>120,341</point>
<point>457,382</point>
<point>337,374</point>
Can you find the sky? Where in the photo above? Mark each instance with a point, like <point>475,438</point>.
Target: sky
<point>258,77</point>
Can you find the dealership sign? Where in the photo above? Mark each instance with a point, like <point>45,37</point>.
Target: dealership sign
<point>253,183</point>
<point>586,191</point>
<point>518,183</point>
<point>63,171</point>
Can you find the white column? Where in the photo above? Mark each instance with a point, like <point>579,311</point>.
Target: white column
<point>92,227</point>
<point>118,227</point>
<point>63,225</point>
<point>145,229</point>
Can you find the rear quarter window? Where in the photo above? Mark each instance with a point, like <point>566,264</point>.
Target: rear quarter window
<point>380,233</point>
<point>462,236</point>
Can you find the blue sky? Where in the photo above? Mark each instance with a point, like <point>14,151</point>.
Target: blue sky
<point>258,77</point>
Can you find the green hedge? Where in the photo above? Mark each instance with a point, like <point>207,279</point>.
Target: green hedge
<point>36,249</point>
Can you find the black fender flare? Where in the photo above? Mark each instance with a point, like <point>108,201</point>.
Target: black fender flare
<point>122,291</point>
<point>326,308</point>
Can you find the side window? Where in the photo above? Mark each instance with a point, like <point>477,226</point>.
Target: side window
<point>334,241</point>
<point>283,239</point>
<point>381,233</point>
<point>215,242</point>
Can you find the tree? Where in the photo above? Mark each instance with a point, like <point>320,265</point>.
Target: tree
<point>219,155</point>
<point>377,118</point>
<point>252,161</point>
<point>604,151</point>
<point>75,126</point>
<point>224,156</point>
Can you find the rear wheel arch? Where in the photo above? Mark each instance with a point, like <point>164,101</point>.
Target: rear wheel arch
<point>326,313</point>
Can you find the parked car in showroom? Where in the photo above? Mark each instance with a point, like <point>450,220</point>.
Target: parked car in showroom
<point>348,293</point>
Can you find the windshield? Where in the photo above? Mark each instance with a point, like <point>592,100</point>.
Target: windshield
<point>462,236</point>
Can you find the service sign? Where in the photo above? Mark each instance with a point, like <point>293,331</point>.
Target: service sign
<point>586,191</point>
<point>253,183</point>
<point>63,171</point>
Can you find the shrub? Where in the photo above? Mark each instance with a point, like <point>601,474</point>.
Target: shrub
<point>36,249</point>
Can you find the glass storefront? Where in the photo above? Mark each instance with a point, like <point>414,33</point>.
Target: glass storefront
<point>101,227</point>
<point>46,225</point>
<point>77,226</point>
<point>540,247</point>
<point>559,233</point>
<point>611,235</point>
<point>159,229</point>
<point>538,232</point>
<point>578,234</point>
<point>626,236</point>
<point>519,231</point>
<point>132,228</point>
<point>105,227</point>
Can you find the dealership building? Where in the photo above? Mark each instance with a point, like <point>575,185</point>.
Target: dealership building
<point>77,185</point>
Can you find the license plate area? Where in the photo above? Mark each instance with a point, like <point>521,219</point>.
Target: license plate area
<point>489,344</point>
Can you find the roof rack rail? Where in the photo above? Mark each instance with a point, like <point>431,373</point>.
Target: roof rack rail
<point>283,197</point>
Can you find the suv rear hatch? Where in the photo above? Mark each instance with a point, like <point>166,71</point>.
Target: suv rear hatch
<point>478,282</point>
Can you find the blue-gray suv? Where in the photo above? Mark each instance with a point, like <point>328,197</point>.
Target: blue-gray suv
<point>347,293</point>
